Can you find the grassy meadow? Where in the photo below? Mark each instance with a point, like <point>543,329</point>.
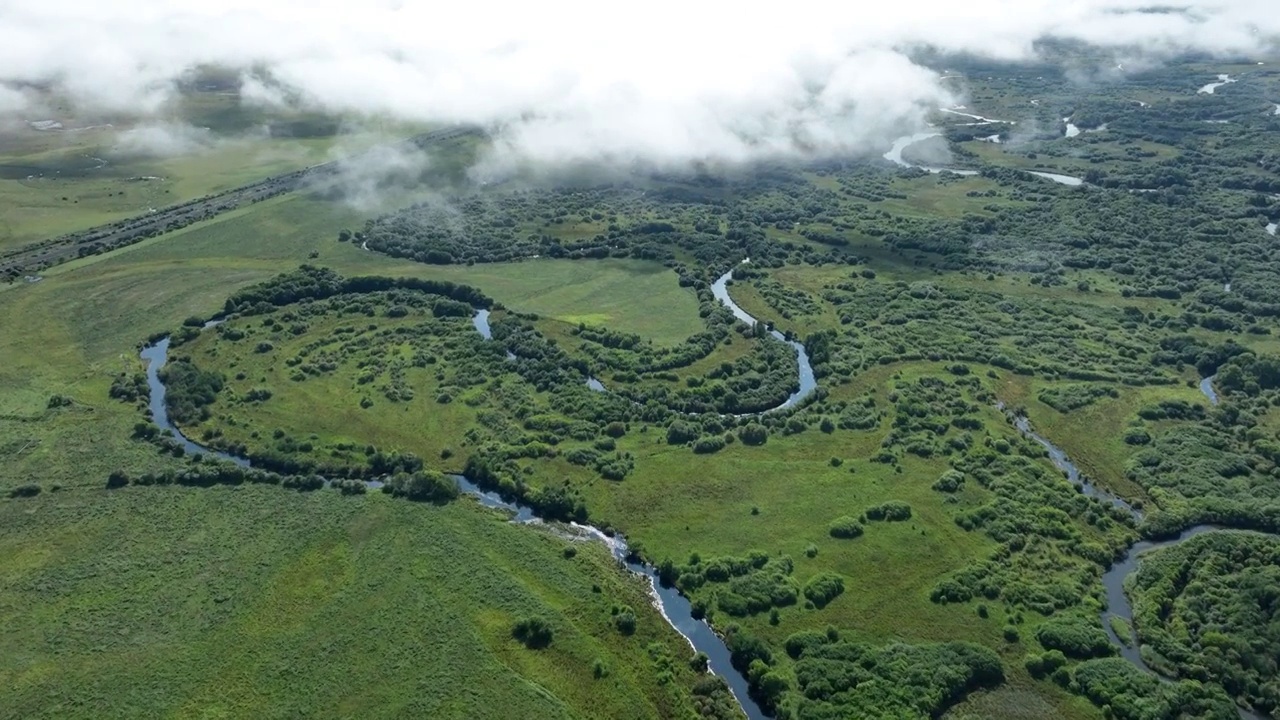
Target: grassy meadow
<point>97,169</point>
<point>261,602</point>
<point>227,602</point>
<point>72,332</point>
<point>79,327</point>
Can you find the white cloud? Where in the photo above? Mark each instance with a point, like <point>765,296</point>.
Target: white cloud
<point>662,81</point>
<point>12,101</point>
<point>163,140</point>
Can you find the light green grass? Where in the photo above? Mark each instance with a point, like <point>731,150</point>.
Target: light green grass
<point>1093,435</point>
<point>329,406</point>
<point>34,208</point>
<point>677,501</point>
<point>261,602</point>
<point>632,296</point>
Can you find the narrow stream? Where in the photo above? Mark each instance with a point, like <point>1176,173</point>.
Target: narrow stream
<point>1206,387</point>
<point>675,608</point>
<point>894,155</point>
<point>1060,460</point>
<point>720,289</point>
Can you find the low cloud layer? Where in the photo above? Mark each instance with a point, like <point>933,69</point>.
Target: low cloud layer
<point>571,80</point>
<point>163,140</point>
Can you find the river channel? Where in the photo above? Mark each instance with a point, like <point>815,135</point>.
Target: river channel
<point>807,384</point>
<point>894,155</point>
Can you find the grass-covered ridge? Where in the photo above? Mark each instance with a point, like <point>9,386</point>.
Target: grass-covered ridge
<point>258,601</point>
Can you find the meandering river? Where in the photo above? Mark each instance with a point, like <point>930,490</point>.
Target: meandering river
<point>675,608</point>
<point>807,382</point>
<point>894,155</point>
<point>1118,605</point>
<point>1222,80</point>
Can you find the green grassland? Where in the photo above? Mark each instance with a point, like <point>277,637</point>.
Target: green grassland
<point>920,301</point>
<point>626,296</point>
<point>92,313</point>
<point>71,333</point>
<point>357,599</point>
<point>267,603</point>
<point>779,498</point>
<point>91,172</point>
<point>1094,435</point>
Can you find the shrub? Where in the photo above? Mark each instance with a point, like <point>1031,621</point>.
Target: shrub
<point>823,588</point>
<point>117,479</point>
<point>949,482</point>
<point>845,527</point>
<point>892,511</point>
<point>27,490</point>
<point>1137,436</point>
<point>422,486</point>
<point>625,621</point>
<point>534,632</point>
<point>708,445</point>
<point>800,642</point>
<point>699,663</point>
<point>1074,637</point>
<point>681,432</point>
<point>753,434</point>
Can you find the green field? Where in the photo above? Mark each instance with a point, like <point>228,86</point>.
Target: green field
<point>98,169</point>
<point>72,332</point>
<point>268,603</point>
<point>890,546</point>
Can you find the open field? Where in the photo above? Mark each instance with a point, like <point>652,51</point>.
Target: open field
<point>269,603</point>
<point>97,169</point>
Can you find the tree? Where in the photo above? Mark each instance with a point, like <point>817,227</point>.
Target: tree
<point>681,432</point>
<point>823,588</point>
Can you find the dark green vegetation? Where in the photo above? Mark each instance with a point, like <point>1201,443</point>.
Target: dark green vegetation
<point>889,547</point>
<point>1207,611</point>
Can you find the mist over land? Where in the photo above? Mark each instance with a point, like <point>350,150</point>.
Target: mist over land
<point>569,81</point>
